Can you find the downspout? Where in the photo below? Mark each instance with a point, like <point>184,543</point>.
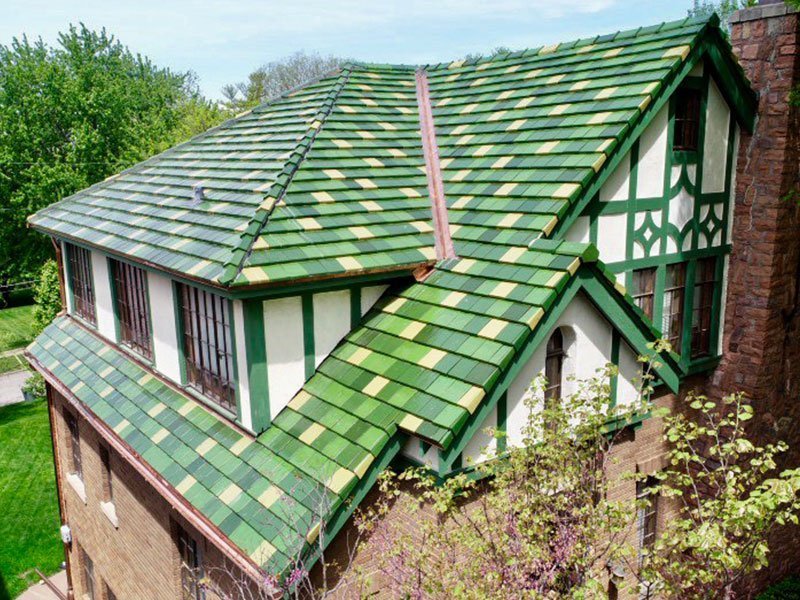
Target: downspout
<point>441,225</point>
<point>59,492</point>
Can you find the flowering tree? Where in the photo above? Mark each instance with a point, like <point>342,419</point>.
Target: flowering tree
<point>541,522</point>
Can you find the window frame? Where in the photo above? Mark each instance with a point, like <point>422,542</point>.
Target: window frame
<point>640,298</point>
<point>679,317</point>
<point>191,372</point>
<point>554,357</point>
<point>107,473</point>
<point>188,551</point>
<point>75,456</point>
<point>80,276</point>
<point>704,300</point>
<point>132,315</point>
<point>87,574</point>
<point>692,95</point>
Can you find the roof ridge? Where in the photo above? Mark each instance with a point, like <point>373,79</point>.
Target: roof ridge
<point>277,190</point>
<point>570,44</point>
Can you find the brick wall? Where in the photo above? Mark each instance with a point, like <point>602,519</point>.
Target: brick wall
<point>137,557</point>
<point>761,345</point>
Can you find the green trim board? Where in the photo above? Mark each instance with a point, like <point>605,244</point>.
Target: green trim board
<point>255,343</point>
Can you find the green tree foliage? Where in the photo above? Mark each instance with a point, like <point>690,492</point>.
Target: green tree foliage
<point>278,77</point>
<point>47,296</point>
<point>730,498</point>
<point>723,8</point>
<point>73,114</point>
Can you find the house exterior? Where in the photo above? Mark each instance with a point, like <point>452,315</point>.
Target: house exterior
<point>371,269</point>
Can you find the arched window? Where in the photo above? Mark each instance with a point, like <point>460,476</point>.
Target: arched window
<point>554,366</point>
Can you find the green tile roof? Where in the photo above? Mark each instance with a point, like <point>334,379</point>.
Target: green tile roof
<point>330,179</point>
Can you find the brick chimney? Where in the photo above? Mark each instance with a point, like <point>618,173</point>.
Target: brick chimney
<point>761,346</point>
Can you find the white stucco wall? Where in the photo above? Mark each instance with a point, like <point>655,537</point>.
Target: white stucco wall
<point>331,321</point>
<point>370,295</point>
<point>104,303</point>
<point>587,340</point>
<point>67,285</point>
<point>241,364</point>
<point>165,335</point>
<point>652,157</point>
<point>716,140</point>
<point>283,329</point>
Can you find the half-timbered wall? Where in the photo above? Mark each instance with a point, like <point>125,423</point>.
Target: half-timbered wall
<point>662,207</point>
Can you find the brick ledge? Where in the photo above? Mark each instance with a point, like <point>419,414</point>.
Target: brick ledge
<point>762,11</point>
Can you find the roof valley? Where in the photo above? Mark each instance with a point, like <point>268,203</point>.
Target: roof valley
<point>444,243</point>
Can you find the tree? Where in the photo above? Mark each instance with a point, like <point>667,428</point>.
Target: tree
<point>278,77</point>
<point>540,522</point>
<point>729,502</point>
<point>73,114</point>
<point>46,296</point>
<point>723,8</point>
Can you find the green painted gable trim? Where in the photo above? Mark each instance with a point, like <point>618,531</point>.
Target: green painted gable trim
<point>255,343</point>
<point>619,310</point>
<point>737,92</point>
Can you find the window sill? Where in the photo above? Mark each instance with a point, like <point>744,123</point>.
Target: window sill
<point>110,511</point>
<point>77,484</point>
<point>703,364</point>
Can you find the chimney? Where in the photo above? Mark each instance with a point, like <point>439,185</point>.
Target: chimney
<point>761,345</point>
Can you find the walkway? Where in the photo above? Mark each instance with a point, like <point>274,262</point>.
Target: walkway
<point>11,386</point>
<point>39,591</point>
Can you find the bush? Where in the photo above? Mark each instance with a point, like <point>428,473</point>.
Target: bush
<point>47,296</point>
<point>788,589</point>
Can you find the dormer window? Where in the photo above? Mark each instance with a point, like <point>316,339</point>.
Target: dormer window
<point>687,120</point>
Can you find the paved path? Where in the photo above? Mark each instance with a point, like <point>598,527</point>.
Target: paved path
<point>11,386</point>
<point>39,591</point>
<point>5,353</point>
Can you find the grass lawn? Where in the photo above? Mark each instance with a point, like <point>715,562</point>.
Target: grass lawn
<point>16,327</point>
<point>29,535</point>
<point>11,363</point>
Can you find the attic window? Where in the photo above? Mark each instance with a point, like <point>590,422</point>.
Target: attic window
<point>687,120</point>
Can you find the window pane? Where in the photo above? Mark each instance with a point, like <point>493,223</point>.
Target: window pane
<point>130,286</point>
<point>554,366</point>
<point>647,515</point>
<point>672,320</point>
<point>705,283</point>
<point>75,445</point>
<point>190,565</point>
<point>80,278</point>
<point>644,284</point>
<point>88,574</point>
<point>687,120</point>
<point>207,345</point>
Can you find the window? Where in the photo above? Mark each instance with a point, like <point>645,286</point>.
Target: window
<point>554,367</point>
<point>80,282</point>
<point>207,345</point>
<point>647,525</point>
<point>687,120</point>
<point>108,487</point>
<point>75,444</point>
<point>705,283</point>
<point>88,574</point>
<point>133,312</point>
<point>190,565</point>
<point>672,323</point>
<point>644,284</point>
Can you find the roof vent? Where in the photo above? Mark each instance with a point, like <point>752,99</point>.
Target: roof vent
<point>197,194</point>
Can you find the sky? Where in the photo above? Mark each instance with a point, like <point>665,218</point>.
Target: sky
<point>224,41</point>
